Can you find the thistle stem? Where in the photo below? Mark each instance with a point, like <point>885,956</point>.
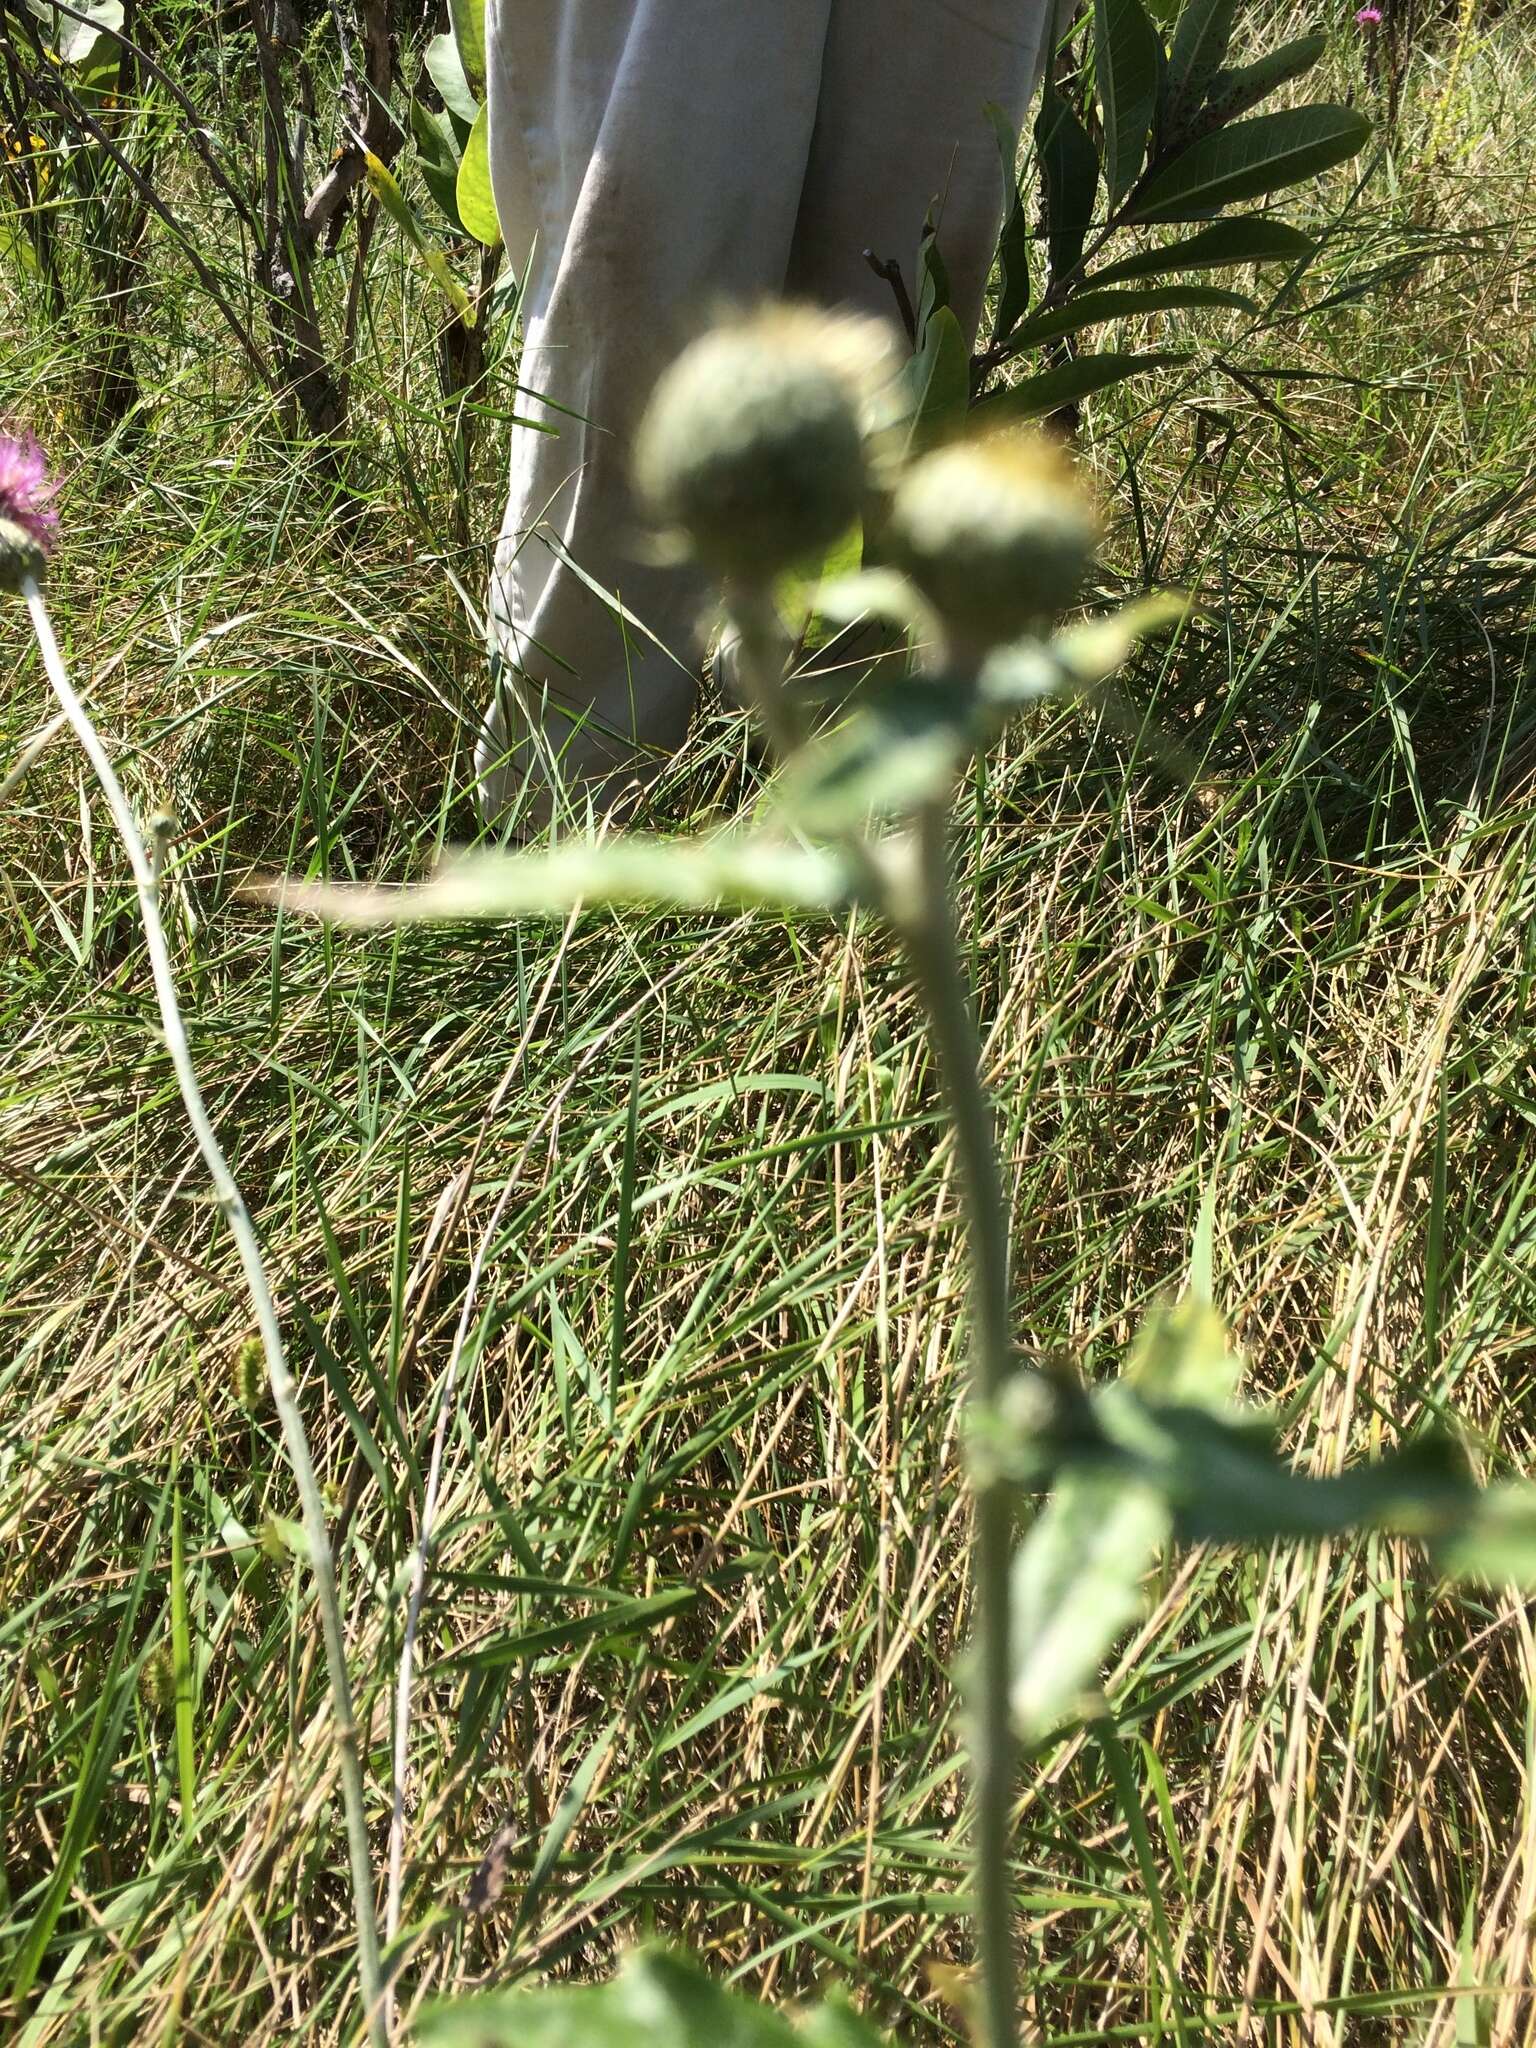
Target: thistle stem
<point>284,1389</point>
<point>933,953</point>
<point>921,911</point>
<point>765,647</point>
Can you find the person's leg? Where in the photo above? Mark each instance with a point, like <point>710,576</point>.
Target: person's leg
<point>653,152</point>
<point>901,125</point>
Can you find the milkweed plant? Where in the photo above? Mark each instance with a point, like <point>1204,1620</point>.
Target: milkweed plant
<point>763,444</point>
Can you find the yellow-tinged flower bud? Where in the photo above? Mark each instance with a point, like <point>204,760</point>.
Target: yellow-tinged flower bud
<point>752,446</point>
<point>996,534</point>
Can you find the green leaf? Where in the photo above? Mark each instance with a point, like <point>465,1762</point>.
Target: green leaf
<point>1128,1797</point>
<point>659,1999</point>
<point>907,741</point>
<point>1202,1250</point>
<point>181,1667</point>
<point>565,1816</point>
<point>836,2025</point>
<point>468,19</point>
<point>445,68</point>
<point>97,75</point>
<point>798,588</point>
<point>1078,658</point>
<point>381,184</point>
<point>1069,171</point>
<point>1234,92</point>
<point>874,594</point>
<point>1013,242</point>
<point>75,41</point>
<point>1250,159</point>
<point>1493,1538</point>
<point>1223,1477</point>
<point>938,382</point>
<point>476,201</point>
<point>932,278</point>
<point>898,751</point>
<point>1076,1584</point>
<point>90,1799</point>
<point>1034,397</point>
<point>17,247</point>
<point>682,874</point>
<point>439,154</point>
<point>1247,238</point>
<point>1182,1357</point>
<point>281,1537</point>
<point>1129,56</point>
<point>1090,652</point>
<point>1019,675</point>
<point>584,1631</point>
<point>1199,45</point>
<point>1093,308</point>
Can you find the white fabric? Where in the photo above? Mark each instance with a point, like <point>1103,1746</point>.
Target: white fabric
<point>658,159</point>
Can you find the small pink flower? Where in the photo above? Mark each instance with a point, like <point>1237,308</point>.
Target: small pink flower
<point>1368,17</point>
<point>25,490</point>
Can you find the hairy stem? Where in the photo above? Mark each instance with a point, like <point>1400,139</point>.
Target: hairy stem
<point>764,654</point>
<point>933,952</point>
<point>764,651</point>
<point>921,911</point>
<point>284,1389</point>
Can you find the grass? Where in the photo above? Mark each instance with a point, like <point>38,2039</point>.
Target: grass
<point>667,1195</point>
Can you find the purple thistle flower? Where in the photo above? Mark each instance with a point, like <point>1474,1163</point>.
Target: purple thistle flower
<point>25,490</point>
<point>1368,17</point>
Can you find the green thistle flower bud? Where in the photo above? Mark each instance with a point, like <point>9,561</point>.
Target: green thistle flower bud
<point>752,446</point>
<point>997,535</point>
<point>21,556</point>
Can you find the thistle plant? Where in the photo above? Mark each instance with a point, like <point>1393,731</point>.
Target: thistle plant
<point>754,450</point>
<point>28,524</point>
<point>744,433</point>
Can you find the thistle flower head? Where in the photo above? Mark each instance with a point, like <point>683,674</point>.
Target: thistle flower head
<point>1368,17</point>
<point>752,446</point>
<point>27,519</point>
<point>996,534</point>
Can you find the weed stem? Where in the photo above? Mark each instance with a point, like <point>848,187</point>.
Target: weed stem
<point>284,1389</point>
<point>924,919</point>
<point>933,952</point>
<point>764,655</point>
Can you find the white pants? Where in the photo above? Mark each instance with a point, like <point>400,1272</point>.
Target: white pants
<point>655,160</point>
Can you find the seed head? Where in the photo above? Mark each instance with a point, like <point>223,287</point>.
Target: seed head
<point>28,521</point>
<point>250,1375</point>
<point>752,446</point>
<point>996,534</point>
<point>157,1679</point>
